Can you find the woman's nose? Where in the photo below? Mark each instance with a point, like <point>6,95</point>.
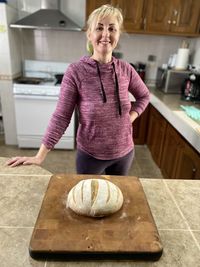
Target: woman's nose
<point>105,32</point>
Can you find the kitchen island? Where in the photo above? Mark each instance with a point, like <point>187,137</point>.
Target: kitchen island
<point>174,204</point>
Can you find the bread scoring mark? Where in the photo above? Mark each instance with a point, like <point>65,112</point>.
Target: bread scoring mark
<point>82,186</point>
<point>94,190</point>
<point>108,187</point>
<point>73,195</point>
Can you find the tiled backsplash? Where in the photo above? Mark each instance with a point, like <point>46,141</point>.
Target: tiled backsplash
<point>70,46</point>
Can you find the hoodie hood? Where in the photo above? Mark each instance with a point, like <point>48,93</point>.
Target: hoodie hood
<point>91,61</point>
<point>47,18</point>
<point>105,66</point>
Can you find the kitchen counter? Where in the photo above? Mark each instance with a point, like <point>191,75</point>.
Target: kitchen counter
<point>174,204</point>
<point>169,106</point>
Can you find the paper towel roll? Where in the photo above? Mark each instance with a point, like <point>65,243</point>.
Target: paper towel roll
<point>182,59</point>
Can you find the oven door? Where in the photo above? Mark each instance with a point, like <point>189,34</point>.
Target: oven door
<point>32,116</point>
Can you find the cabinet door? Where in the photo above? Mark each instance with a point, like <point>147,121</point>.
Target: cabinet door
<point>171,151</point>
<point>140,128</point>
<point>132,12</point>
<point>185,16</point>
<point>156,134</point>
<point>93,4</point>
<point>188,166</point>
<point>158,15</point>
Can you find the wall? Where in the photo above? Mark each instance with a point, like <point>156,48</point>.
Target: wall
<point>10,66</point>
<point>70,46</point>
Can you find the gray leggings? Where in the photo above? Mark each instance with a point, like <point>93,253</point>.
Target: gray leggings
<point>86,164</point>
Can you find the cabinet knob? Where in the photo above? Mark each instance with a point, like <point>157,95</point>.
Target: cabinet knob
<point>194,170</point>
<point>174,22</point>
<point>169,21</point>
<point>175,12</point>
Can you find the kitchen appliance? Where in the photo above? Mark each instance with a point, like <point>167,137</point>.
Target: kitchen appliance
<point>170,80</point>
<point>35,98</point>
<point>140,68</point>
<point>191,87</point>
<point>47,18</point>
<point>130,233</point>
<point>182,58</point>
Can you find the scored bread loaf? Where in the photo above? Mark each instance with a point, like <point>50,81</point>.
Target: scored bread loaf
<point>95,198</point>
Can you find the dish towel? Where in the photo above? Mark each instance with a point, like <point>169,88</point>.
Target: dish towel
<point>192,112</point>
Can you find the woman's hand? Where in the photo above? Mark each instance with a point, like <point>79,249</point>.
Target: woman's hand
<point>37,159</point>
<point>133,116</point>
<point>15,161</point>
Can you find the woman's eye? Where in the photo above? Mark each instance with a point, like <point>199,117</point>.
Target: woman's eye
<point>99,28</point>
<point>111,29</point>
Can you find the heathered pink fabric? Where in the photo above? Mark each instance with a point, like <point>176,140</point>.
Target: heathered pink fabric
<point>102,132</point>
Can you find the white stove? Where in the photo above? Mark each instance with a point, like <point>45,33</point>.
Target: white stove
<point>35,103</point>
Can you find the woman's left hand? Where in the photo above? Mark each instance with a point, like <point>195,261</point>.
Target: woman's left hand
<point>133,116</point>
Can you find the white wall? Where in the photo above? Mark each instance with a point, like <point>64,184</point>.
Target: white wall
<point>10,66</point>
<point>70,46</point>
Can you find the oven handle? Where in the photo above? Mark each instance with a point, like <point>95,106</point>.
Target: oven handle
<point>37,97</point>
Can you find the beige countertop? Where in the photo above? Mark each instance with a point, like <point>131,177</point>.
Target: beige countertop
<point>169,106</point>
<point>174,204</point>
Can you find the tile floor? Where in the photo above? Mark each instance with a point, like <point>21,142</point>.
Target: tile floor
<point>63,161</point>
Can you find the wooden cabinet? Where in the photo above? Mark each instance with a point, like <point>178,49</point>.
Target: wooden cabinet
<point>188,164</point>
<point>171,152</point>
<point>173,16</point>
<point>156,134</point>
<point>176,158</point>
<point>132,11</point>
<point>140,128</point>
<point>93,4</point>
<point>179,159</point>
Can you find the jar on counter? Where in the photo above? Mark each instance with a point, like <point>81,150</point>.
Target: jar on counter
<point>151,69</point>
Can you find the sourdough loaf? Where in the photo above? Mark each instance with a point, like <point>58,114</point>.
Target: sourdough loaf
<point>95,198</point>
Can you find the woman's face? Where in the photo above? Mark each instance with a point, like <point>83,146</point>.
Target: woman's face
<point>104,36</point>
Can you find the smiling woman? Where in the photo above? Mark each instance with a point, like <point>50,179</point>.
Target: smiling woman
<point>98,85</point>
<point>103,32</point>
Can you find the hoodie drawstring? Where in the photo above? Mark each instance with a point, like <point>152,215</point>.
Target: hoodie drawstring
<point>116,88</point>
<point>102,88</point>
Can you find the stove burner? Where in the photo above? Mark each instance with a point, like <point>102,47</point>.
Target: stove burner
<point>28,80</point>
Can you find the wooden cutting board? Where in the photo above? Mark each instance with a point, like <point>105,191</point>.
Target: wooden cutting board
<point>130,233</point>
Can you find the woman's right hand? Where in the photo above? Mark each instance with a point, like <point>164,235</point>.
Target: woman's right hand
<point>37,159</point>
<point>15,161</point>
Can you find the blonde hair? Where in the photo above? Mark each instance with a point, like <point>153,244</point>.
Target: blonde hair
<point>100,13</point>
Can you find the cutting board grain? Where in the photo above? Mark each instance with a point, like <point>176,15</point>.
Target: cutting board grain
<point>130,233</point>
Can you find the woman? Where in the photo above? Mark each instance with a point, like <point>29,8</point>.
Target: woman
<point>99,86</point>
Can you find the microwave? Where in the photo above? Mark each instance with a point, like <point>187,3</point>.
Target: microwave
<point>170,80</point>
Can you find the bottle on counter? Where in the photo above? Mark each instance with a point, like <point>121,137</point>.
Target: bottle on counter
<point>151,70</point>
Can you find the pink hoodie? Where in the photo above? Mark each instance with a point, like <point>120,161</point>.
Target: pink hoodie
<point>100,93</point>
